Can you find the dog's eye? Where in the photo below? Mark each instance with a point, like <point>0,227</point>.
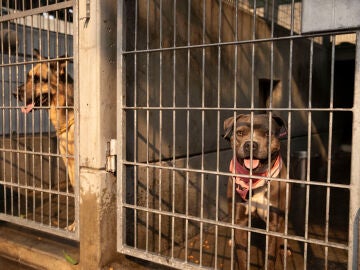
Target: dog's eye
<point>267,133</point>
<point>37,79</point>
<point>239,133</point>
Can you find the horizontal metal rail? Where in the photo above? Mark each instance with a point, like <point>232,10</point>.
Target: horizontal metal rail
<point>41,227</point>
<point>235,226</point>
<point>216,173</point>
<point>31,62</point>
<point>36,11</point>
<point>237,43</point>
<point>255,109</point>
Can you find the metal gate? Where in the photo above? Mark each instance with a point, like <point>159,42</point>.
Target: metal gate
<point>37,116</point>
<point>186,66</point>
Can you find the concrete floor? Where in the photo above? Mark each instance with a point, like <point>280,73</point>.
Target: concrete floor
<point>337,258</point>
<point>12,265</point>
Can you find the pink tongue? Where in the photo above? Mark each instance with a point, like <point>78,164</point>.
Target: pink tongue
<point>27,108</point>
<point>255,163</point>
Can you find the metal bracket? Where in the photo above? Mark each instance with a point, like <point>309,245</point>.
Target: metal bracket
<point>111,156</point>
<point>88,9</point>
<point>85,12</point>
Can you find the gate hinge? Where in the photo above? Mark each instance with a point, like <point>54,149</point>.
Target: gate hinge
<point>111,156</point>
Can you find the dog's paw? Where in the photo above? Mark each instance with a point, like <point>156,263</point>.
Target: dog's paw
<point>288,251</point>
<point>71,227</point>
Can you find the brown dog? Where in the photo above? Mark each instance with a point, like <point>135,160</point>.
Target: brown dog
<point>49,85</point>
<point>253,158</point>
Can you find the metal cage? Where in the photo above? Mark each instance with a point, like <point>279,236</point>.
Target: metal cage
<point>186,66</point>
<point>35,191</point>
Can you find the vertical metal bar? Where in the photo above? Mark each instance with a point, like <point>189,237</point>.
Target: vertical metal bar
<point>40,27</point>
<point>287,196</point>
<point>270,129</point>
<point>160,118</point>
<point>252,101</point>
<point>59,197</point>
<point>3,113</point>
<point>121,128</point>
<point>307,194</point>
<point>354,212</point>
<point>49,124</point>
<point>147,120</point>
<point>48,132</point>
<point>49,135</point>
<point>17,116</point>
<point>203,60</point>
<point>173,133</point>
<point>329,158</point>
<point>232,239</point>
<point>66,105</point>
<point>26,168</point>
<point>10,124</point>
<point>218,135</point>
<point>58,157</point>
<point>309,132</point>
<point>32,122</point>
<point>187,129</point>
<point>289,114</point>
<point>135,122</point>
<point>75,42</point>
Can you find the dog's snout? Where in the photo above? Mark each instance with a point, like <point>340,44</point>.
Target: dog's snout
<point>248,145</point>
<point>16,94</point>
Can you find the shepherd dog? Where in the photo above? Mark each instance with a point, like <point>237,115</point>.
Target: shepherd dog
<point>48,85</point>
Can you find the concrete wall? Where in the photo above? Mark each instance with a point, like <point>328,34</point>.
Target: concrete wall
<point>235,75</point>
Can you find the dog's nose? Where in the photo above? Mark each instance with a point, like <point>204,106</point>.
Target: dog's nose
<point>248,145</point>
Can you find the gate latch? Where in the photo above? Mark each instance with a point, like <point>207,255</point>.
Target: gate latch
<point>111,156</point>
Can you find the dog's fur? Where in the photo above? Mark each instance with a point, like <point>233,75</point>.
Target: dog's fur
<point>49,85</point>
<point>242,141</point>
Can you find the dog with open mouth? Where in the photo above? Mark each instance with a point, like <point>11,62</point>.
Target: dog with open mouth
<point>48,85</point>
<point>255,140</point>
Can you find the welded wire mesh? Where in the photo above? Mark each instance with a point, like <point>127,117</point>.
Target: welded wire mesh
<point>35,191</point>
<point>188,66</point>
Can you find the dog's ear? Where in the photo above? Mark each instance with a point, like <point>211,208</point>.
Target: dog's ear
<point>281,131</point>
<point>62,68</point>
<point>228,128</point>
<point>37,55</point>
<point>59,67</point>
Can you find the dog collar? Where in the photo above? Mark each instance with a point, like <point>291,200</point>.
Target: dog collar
<point>242,184</point>
<point>65,127</point>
